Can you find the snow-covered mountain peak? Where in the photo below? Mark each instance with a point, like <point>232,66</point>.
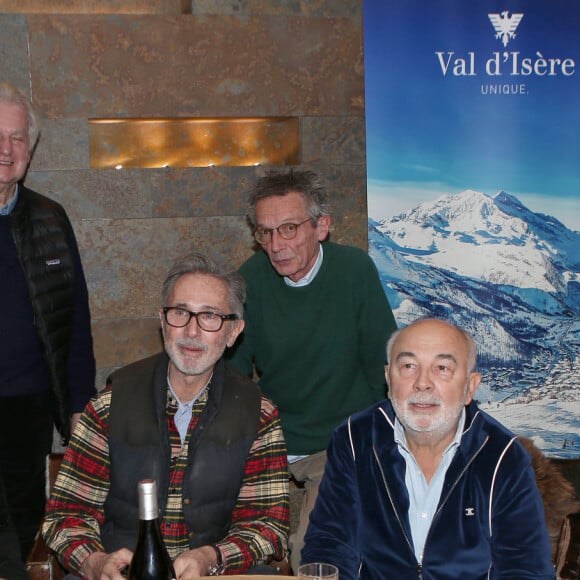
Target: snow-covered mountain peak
<point>495,239</point>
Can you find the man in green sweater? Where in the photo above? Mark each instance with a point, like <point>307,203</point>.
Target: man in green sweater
<point>317,323</point>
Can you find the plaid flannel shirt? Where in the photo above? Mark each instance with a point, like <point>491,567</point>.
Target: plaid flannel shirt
<point>259,528</point>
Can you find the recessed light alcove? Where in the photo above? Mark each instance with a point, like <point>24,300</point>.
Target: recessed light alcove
<point>193,142</point>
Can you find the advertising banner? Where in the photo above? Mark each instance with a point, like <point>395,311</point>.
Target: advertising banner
<point>473,153</point>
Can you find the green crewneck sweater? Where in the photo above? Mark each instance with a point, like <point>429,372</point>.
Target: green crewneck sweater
<point>319,350</point>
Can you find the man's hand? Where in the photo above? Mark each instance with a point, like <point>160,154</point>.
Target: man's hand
<point>194,563</point>
<point>101,566</point>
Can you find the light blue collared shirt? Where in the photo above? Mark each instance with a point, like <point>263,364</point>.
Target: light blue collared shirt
<point>183,414</point>
<point>7,209</point>
<point>424,497</point>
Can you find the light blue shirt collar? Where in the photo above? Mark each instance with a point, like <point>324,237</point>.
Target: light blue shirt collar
<point>183,414</point>
<point>311,274</point>
<point>7,209</point>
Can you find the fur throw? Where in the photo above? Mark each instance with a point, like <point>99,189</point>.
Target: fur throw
<point>557,492</point>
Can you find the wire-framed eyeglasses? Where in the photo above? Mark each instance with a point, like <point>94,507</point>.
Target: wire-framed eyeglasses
<point>286,231</point>
<point>209,321</point>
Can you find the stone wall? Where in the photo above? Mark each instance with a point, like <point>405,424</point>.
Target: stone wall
<point>87,59</point>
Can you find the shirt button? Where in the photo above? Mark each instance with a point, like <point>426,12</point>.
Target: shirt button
<point>424,514</point>
<point>186,501</point>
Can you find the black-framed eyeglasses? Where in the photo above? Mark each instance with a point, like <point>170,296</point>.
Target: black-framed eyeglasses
<point>206,320</point>
<point>285,231</point>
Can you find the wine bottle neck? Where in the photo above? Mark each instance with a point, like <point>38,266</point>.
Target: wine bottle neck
<point>148,509</point>
<point>148,512</point>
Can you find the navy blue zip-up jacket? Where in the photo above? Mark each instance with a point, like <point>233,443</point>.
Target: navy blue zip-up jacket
<point>489,522</point>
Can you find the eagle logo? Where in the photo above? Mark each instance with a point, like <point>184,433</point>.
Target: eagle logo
<point>505,26</point>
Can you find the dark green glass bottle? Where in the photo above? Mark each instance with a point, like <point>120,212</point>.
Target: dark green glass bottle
<point>150,559</point>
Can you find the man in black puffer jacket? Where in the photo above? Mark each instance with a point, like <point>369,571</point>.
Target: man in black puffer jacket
<point>47,366</point>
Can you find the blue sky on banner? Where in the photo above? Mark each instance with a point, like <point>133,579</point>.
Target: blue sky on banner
<point>451,107</point>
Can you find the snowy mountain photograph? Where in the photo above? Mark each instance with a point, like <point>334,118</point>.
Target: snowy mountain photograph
<point>512,278</point>
<point>473,190</point>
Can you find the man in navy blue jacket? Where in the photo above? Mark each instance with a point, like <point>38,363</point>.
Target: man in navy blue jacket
<point>425,485</point>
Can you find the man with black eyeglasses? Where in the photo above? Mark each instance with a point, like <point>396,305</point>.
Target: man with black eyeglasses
<point>204,431</point>
<point>317,320</point>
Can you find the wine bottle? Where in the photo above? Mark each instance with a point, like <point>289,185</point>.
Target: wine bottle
<point>150,559</point>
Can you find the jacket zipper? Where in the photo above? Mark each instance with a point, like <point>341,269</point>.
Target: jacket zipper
<point>395,510</point>
<point>420,564</point>
<point>442,503</point>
